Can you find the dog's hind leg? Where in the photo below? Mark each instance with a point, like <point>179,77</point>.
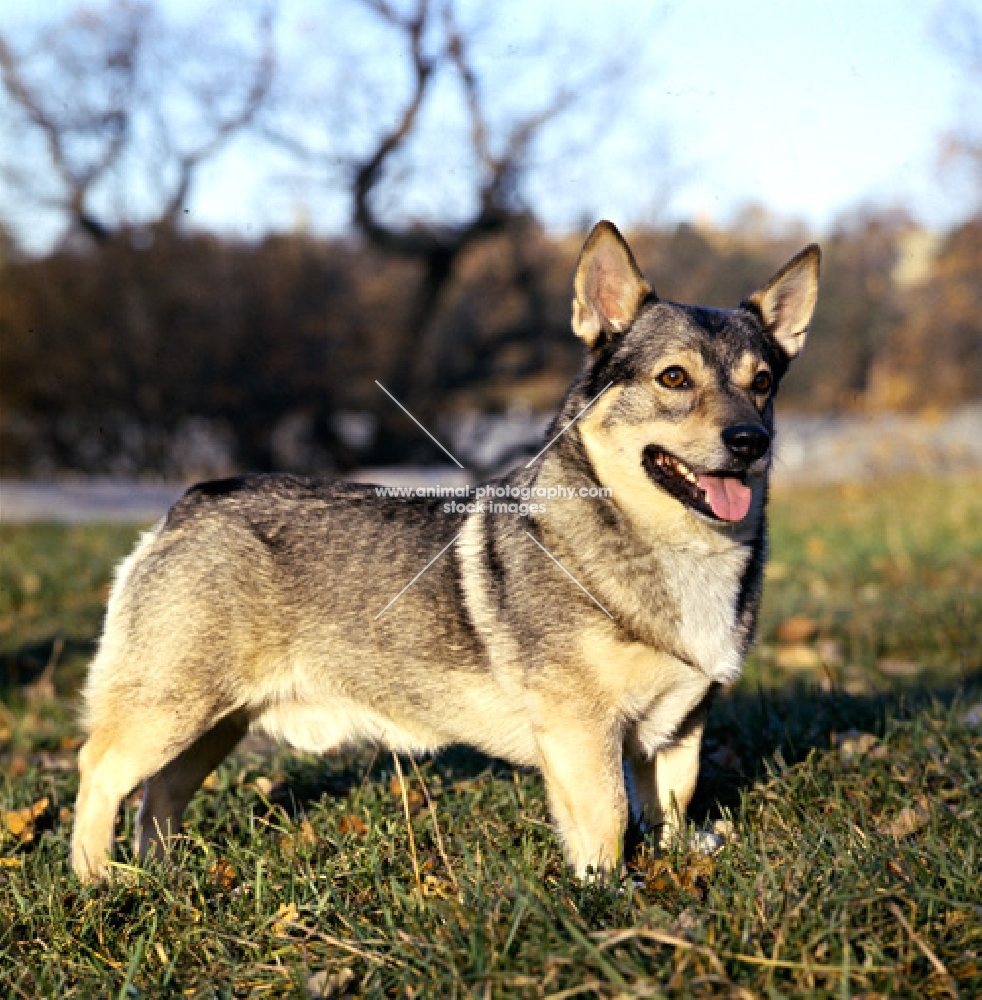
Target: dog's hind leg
<point>111,763</point>
<point>167,793</point>
<point>125,746</point>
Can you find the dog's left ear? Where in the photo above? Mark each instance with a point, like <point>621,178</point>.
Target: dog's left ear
<point>786,303</point>
<point>609,286</point>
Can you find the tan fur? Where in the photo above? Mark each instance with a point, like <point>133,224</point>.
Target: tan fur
<point>255,603</point>
<point>787,301</point>
<point>609,286</point>
<point>614,450</point>
<point>746,368</point>
<point>662,784</point>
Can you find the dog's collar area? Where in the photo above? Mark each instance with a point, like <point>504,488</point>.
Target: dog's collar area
<point>720,496</point>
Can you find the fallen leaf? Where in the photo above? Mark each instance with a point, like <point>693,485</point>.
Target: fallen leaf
<point>414,796</point>
<point>435,885</point>
<point>20,822</point>
<point>909,820</point>
<point>797,657</point>
<point>698,868</point>
<point>797,628</point>
<point>967,970</point>
<point>326,985</point>
<point>263,785</point>
<point>659,875</point>
<point>854,743</point>
<point>304,835</point>
<point>212,783</point>
<point>286,915</point>
<point>898,668</point>
<point>350,823</point>
<point>222,873</point>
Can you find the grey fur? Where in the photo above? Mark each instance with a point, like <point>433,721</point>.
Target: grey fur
<point>254,603</point>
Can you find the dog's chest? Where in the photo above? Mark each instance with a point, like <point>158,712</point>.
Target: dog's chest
<point>706,589</point>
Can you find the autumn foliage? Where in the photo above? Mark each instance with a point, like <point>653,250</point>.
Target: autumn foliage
<point>167,353</point>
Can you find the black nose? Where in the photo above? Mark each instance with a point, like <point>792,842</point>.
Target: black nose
<point>747,441</point>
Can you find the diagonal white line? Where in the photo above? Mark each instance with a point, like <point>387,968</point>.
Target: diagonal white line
<point>570,424</point>
<point>418,575</point>
<point>415,421</point>
<point>570,575</point>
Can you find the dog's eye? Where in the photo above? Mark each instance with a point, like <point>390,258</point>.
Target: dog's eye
<point>763,382</point>
<point>675,378</point>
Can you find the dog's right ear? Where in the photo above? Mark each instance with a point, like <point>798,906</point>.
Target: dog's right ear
<point>609,286</point>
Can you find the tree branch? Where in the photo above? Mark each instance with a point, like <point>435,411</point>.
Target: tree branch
<point>408,243</point>
<point>103,105</point>
<point>188,162</point>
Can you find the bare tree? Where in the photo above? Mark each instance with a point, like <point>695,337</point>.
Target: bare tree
<point>960,29</point>
<point>127,108</point>
<point>442,58</point>
<point>116,109</point>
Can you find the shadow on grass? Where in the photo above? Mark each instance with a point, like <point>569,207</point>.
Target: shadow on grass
<point>24,665</point>
<point>309,779</point>
<point>748,731</point>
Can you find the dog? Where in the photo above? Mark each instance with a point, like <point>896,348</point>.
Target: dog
<point>585,639</point>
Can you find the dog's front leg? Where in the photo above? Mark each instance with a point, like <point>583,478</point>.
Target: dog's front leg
<point>662,784</point>
<point>581,762</point>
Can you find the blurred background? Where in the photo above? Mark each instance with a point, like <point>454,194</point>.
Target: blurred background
<point>221,224</point>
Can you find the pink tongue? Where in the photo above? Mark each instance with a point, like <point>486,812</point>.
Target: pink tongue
<point>728,497</point>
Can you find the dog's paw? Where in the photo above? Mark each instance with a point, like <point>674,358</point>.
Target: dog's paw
<point>706,842</point>
<point>713,839</point>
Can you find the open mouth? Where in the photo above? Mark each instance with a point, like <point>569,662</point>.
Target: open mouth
<point>723,496</point>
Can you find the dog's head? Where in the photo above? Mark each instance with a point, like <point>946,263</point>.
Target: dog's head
<point>691,403</point>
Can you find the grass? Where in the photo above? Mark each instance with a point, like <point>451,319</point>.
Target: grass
<point>845,770</point>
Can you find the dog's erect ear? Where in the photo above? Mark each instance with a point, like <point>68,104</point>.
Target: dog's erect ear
<point>609,286</point>
<point>787,301</point>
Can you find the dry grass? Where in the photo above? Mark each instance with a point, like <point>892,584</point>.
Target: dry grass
<point>845,769</point>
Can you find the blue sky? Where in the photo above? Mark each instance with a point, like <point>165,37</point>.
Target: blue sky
<point>810,108</point>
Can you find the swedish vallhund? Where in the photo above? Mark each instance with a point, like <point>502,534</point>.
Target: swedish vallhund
<point>585,638</point>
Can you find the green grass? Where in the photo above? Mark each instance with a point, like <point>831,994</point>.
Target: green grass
<point>853,868</point>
